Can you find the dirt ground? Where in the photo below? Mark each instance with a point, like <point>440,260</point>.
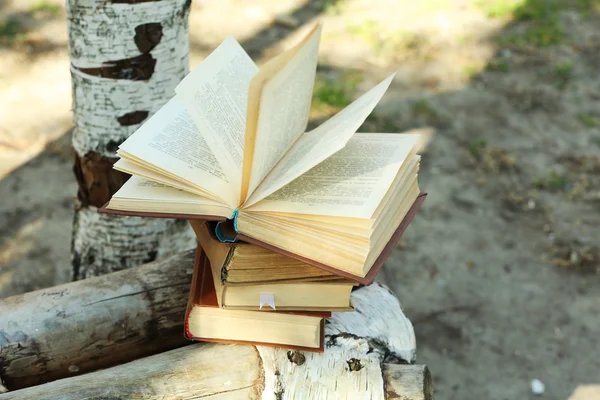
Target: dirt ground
<point>499,271</point>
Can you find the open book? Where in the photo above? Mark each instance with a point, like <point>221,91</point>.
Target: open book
<point>232,144</point>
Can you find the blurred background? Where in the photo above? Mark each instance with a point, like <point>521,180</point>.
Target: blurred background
<point>499,271</point>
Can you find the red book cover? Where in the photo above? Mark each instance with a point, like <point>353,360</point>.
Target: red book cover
<point>203,294</point>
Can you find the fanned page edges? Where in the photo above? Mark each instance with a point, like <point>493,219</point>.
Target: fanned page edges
<point>187,161</point>
<point>160,151</point>
<point>377,265</point>
<point>146,214</point>
<point>202,294</point>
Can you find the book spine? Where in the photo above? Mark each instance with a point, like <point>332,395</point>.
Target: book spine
<point>221,236</point>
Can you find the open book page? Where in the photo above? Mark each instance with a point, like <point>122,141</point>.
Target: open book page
<point>216,95</point>
<point>171,142</point>
<point>265,73</point>
<point>132,168</point>
<point>283,108</point>
<point>351,183</point>
<point>140,194</point>
<point>320,143</point>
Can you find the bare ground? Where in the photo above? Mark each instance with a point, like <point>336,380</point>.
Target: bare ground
<point>499,270</point>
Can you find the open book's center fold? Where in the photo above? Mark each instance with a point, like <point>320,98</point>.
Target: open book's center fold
<point>278,109</point>
<point>216,96</point>
<point>232,148</point>
<point>320,143</point>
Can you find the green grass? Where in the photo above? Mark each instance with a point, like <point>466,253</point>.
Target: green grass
<point>542,17</point>
<point>552,181</point>
<point>498,65</point>
<point>563,72</point>
<point>328,92</point>
<point>470,70</point>
<point>384,42</point>
<point>352,78</point>
<point>380,123</point>
<point>11,30</point>
<point>544,28</point>
<point>45,7</point>
<point>588,6</point>
<point>498,8</point>
<point>588,120</point>
<point>336,93</point>
<point>401,41</point>
<point>598,142</point>
<point>422,108</point>
<point>366,30</point>
<point>334,7</point>
<point>476,147</point>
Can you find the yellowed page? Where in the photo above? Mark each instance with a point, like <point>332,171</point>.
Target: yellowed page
<point>171,142</point>
<point>140,194</point>
<point>351,183</point>
<point>266,72</point>
<point>320,143</point>
<point>283,108</point>
<point>131,168</point>
<point>215,94</point>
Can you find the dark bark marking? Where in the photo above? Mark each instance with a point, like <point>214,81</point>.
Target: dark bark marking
<point>186,7</point>
<point>132,118</point>
<point>374,345</point>
<point>75,256</point>
<point>146,291</point>
<point>147,36</point>
<point>296,357</point>
<point>354,364</point>
<point>278,390</point>
<point>97,180</point>
<point>138,68</point>
<point>112,146</point>
<point>151,256</point>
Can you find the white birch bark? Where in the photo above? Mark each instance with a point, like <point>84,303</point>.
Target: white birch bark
<point>112,96</point>
<point>365,355</point>
<point>357,345</point>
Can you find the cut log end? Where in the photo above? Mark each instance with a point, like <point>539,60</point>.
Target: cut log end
<point>407,382</point>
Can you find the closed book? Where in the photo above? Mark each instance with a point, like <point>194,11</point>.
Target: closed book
<point>206,321</point>
<point>269,270</point>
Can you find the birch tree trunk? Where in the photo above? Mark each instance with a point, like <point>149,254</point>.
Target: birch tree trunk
<point>127,56</point>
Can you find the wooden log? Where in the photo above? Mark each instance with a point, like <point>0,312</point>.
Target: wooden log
<point>363,359</point>
<point>413,383</point>
<point>95,323</point>
<point>127,57</point>
<point>200,371</point>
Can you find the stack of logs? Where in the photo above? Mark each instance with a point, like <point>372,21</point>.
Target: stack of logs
<point>120,336</point>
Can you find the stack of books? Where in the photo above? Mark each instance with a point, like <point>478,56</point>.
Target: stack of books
<point>288,221</point>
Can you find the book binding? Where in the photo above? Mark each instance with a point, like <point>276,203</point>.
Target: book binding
<point>366,280</point>
<point>201,287</point>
